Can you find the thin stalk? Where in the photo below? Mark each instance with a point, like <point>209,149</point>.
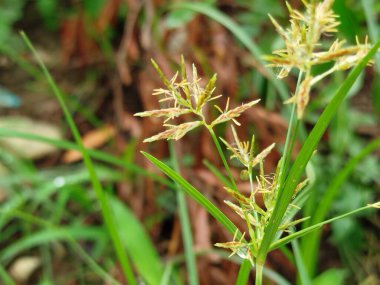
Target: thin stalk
<point>243,275</point>
<point>290,138</point>
<point>185,223</point>
<point>300,263</point>
<point>258,234</point>
<point>259,274</point>
<point>242,272</point>
<point>221,154</point>
<point>285,161</point>
<point>106,211</point>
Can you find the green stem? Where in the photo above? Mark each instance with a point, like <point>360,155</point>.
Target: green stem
<point>185,223</point>
<point>290,138</point>
<point>259,274</point>
<point>258,233</point>
<point>221,154</point>
<point>244,271</point>
<point>285,161</point>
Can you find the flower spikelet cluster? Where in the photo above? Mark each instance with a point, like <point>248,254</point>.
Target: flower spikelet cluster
<point>259,216</point>
<point>244,151</point>
<point>187,96</point>
<point>303,48</point>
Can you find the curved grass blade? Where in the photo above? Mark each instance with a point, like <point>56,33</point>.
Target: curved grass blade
<point>239,33</point>
<point>308,230</point>
<point>107,216</point>
<point>187,234</point>
<point>96,154</point>
<point>51,235</point>
<point>305,154</point>
<point>138,243</point>
<point>243,276</point>
<point>300,263</point>
<point>218,174</point>
<point>7,279</point>
<point>194,194</point>
<point>13,213</point>
<point>310,245</point>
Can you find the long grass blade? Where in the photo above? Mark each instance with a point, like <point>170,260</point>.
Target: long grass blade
<point>185,223</point>
<point>60,235</point>
<point>305,154</point>
<point>300,263</point>
<point>95,154</point>
<point>298,234</point>
<point>138,243</point>
<point>310,244</point>
<point>218,174</point>
<point>5,277</point>
<point>244,271</point>
<point>194,194</point>
<point>105,209</point>
<point>50,235</point>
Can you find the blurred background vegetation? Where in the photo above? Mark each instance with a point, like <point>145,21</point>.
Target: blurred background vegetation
<point>99,52</point>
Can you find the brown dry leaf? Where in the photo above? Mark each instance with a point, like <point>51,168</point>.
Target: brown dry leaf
<point>92,139</point>
<point>131,124</point>
<point>224,62</point>
<point>128,49</point>
<point>108,15</point>
<point>75,41</point>
<point>77,36</point>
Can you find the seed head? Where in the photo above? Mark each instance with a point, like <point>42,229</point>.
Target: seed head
<point>187,96</point>
<point>303,47</point>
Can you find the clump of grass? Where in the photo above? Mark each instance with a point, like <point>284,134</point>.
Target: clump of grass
<point>265,224</point>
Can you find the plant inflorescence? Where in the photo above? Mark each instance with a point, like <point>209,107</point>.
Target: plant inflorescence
<point>304,48</point>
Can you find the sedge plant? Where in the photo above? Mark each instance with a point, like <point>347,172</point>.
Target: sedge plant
<point>272,224</point>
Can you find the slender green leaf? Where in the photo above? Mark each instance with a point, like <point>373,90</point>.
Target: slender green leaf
<point>99,155</point>
<point>374,33</point>
<point>105,209</point>
<point>51,235</point>
<point>60,234</point>
<point>5,277</point>
<point>194,193</point>
<point>138,243</point>
<point>218,174</point>
<point>301,268</point>
<point>305,153</point>
<point>185,224</point>
<point>334,276</point>
<point>244,271</point>
<point>308,230</point>
<point>165,280</point>
<point>310,245</point>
